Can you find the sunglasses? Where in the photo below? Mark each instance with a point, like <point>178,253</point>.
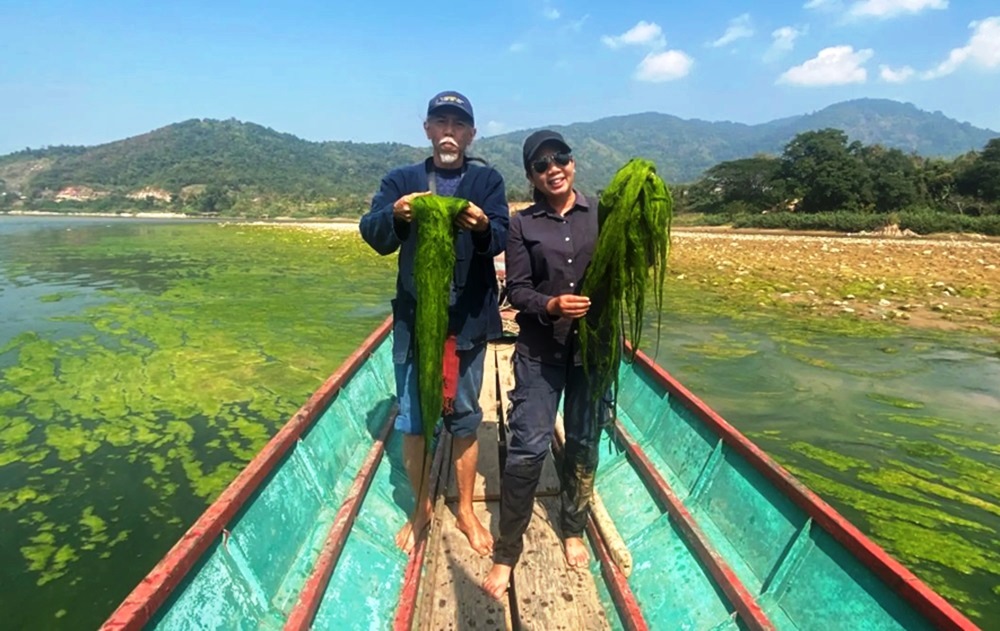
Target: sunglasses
<point>541,165</point>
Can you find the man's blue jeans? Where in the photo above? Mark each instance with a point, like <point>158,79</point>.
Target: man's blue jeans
<point>467,415</point>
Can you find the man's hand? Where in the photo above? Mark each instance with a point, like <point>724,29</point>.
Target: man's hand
<point>473,218</point>
<point>568,305</point>
<point>401,209</point>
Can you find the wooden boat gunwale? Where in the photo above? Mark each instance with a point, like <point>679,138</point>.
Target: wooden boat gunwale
<point>139,607</point>
<point>894,574</point>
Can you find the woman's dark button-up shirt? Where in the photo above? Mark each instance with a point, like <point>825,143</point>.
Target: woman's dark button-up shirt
<point>547,255</point>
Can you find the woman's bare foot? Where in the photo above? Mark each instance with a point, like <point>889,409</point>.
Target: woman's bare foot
<point>497,580</point>
<point>577,554</point>
<point>479,538</point>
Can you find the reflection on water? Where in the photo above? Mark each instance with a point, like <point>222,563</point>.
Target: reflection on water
<point>143,363</point>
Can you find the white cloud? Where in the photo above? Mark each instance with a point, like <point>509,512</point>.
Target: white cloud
<point>517,47</point>
<point>664,66</point>
<point>494,127</point>
<point>820,4</point>
<point>982,50</point>
<point>837,65</point>
<point>642,34</point>
<point>892,8</point>
<point>739,28</point>
<point>895,75</point>
<point>551,13</point>
<point>783,40</point>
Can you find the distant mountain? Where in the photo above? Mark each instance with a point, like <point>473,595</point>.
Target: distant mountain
<point>260,161</point>
<point>683,149</point>
<point>199,152</point>
<point>888,123</point>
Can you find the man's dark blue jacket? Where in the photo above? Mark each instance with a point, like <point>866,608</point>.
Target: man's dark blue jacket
<point>474,315</point>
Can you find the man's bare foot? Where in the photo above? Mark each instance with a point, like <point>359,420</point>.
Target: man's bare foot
<point>479,538</point>
<point>407,536</point>
<point>577,554</point>
<point>404,538</point>
<point>496,582</point>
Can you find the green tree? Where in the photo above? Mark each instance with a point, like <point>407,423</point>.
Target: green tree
<point>893,178</point>
<point>981,179</point>
<point>214,199</point>
<point>754,181</point>
<point>824,172</point>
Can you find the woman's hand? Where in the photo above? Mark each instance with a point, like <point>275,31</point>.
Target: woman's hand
<point>568,306</point>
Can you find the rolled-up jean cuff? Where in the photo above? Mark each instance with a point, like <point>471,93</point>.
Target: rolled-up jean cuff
<point>468,414</point>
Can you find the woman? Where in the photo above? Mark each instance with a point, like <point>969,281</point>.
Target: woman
<point>549,246</point>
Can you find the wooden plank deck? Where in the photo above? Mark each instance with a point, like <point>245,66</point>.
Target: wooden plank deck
<point>450,593</point>
<point>550,595</point>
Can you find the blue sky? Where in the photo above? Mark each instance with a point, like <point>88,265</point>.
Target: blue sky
<point>88,73</point>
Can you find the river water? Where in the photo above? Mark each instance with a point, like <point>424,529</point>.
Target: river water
<point>143,362</point>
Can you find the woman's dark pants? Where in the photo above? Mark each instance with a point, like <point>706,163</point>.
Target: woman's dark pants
<point>534,402</point>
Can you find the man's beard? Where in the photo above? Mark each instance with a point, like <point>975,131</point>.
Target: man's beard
<point>448,156</point>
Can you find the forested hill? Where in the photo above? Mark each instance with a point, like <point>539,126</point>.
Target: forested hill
<point>232,159</point>
<point>230,153</point>
<point>684,149</point>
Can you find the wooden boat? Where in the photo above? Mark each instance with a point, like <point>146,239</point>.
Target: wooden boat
<point>720,536</point>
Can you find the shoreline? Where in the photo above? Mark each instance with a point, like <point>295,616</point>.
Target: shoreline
<point>169,215</point>
<point>333,223</point>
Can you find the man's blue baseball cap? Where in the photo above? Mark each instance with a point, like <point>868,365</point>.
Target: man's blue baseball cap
<point>451,100</point>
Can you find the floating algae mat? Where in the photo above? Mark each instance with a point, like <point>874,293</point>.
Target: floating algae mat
<point>172,355</point>
<point>434,265</point>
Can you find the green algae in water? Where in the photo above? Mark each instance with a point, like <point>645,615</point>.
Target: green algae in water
<point>960,491</point>
<point>57,296</point>
<point>95,525</point>
<point>830,458</point>
<point>924,536</point>
<point>895,402</point>
<point>919,421</point>
<point>970,443</point>
<point>169,366</point>
<point>720,351</point>
<point>926,450</point>
<point>47,558</point>
<point>70,442</point>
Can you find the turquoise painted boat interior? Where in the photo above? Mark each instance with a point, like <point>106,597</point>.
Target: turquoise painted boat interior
<point>802,578</point>
<point>252,578</point>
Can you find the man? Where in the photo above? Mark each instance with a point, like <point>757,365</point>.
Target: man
<point>473,316</point>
